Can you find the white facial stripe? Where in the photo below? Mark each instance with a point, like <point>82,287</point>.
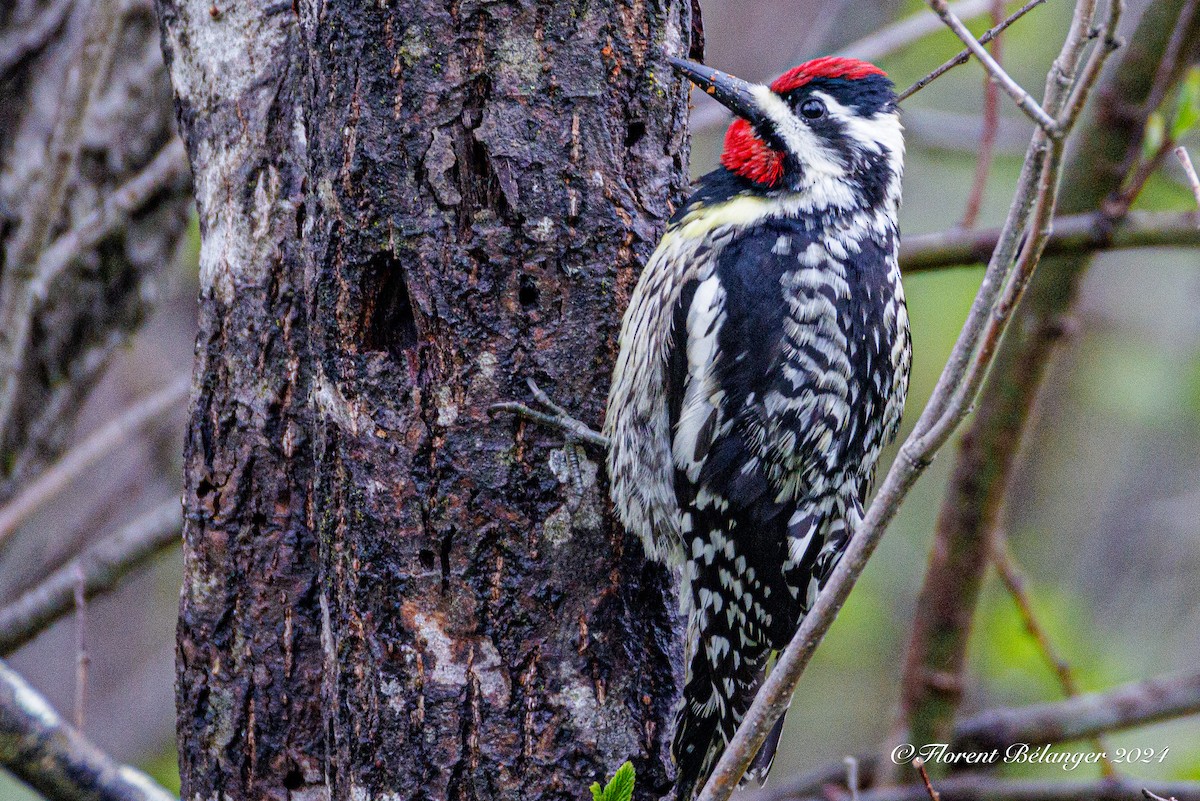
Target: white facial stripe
<point>824,171</point>
<point>818,160</point>
<point>881,130</point>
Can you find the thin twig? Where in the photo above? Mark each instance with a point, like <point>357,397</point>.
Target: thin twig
<point>1138,113</point>
<point>81,652</point>
<point>852,777</point>
<point>980,787</point>
<point>1132,189</point>
<point>1152,796</point>
<point>40,749</point>
<point>907,31</point>
<point>991,127</point>
<point>1166,65</point>
<point>1189,170</point>
<point>168,167</point>
<point>1013,578</point>
<point>1004,281</point>
<point>919,764</point>
<point>1022,98</point>
<point>85,76</point>
<point>59,476</point>
<point>19,44</point>
<point>965,56</point>
<point>557,417</point>
<point>102,566</point>
<point>877,45</point>
<point>1106,44</point>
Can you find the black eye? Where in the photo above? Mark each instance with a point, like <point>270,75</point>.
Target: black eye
<point>812,109</point>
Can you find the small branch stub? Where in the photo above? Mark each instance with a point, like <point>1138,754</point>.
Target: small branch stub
<point>1189,169</point>
<point>919,764</point>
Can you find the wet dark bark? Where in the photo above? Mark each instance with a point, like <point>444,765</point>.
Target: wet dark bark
<point>408,209</point>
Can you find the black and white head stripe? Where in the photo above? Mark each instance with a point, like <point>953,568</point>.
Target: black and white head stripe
<point>844,140</point>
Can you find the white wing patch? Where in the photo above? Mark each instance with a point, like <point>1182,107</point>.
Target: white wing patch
<point>698,415</point>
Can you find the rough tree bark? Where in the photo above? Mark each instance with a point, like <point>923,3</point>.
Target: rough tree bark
<point>408,208</point>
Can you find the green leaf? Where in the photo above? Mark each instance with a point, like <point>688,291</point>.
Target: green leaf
<point>1187,107</point>
<point>619,788</point>
<point>1155,134</point>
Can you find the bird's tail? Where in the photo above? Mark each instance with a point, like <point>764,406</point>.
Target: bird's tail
<point>727,665</point>
<point>765,758</point>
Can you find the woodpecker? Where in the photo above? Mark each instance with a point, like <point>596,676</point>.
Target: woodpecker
<point>763,365</point>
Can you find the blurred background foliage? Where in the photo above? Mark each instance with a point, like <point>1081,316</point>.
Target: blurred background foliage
<point>1104,515</point>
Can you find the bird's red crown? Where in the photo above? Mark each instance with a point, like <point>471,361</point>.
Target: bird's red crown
<point>851,69</point>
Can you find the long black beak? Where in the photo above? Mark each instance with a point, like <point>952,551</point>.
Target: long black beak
<point>732,93</point>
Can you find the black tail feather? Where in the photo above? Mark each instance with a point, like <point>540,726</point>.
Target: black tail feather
<point>710,715</point>
<point>765,758</point>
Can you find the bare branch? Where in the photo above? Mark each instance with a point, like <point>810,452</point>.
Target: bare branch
<point>557,417</point>
<point>55,759</point>
<point>86,75</point>
<point>1022,98</point>
<point>965,55</point>
<point>1138,703</point>
<point>1189,169</point>
<point>1081,89</point>
<point>1013,579</point>
<point>82,659</point>
<point>164,170</point>
<point>102,565</point>
<point>930,694</point>
<point>936,656</point>
<point>1076,233</point>
<point>71,466</point>
<point>18,44</point>
<point>977,787</point>
<point>991,128</point>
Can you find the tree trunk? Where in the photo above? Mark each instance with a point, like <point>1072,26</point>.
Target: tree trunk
<point>407,209</point>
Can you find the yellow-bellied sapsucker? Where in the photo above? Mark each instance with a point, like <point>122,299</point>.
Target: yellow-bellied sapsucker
<point>763,364</point>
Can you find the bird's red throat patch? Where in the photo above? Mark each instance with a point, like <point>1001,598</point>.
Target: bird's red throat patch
<point>749,156</point>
